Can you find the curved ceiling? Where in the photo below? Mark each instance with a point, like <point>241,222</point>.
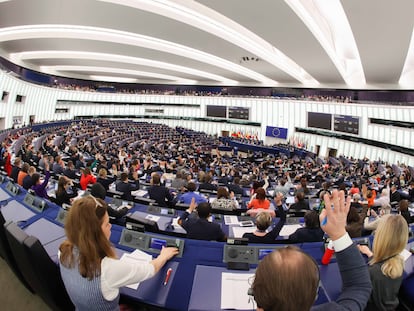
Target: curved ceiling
<point>351,44</point>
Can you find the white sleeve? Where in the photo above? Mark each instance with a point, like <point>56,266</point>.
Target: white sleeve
<point>116,273</point>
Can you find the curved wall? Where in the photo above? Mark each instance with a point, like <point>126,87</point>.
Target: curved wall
<point>42,102</point>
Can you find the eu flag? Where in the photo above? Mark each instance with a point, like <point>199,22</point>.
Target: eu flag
<point>277,132</point>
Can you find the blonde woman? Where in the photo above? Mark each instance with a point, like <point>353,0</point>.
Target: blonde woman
<point>386,265</point>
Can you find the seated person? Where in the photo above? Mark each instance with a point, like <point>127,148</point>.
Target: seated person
<point>39,187</point>
<point>27,180</point>
<point>98,191</point>
<point>288,279</point>
<point>86,178</point>
<point>64,193</point>
<point>89,267</point>
<point>179,182</point>
<point>395,196</point>
<point>160,193</point>
<point>70,171</point>
<point>300,202</point>
<point>190,194</point>
<point>103,178</point>
<point>263,221</point>
<point>404,212</point>
<point>259,200</point>
<point>22,174</point>
<point>235,187</point>
<point>312,231</point>
<point>198,226</point>
<point>386,265</point>
<point>372,219</point>
<point>354,222</point>
<point>356,198</point>
<point>411,192</point>
<point>206,184</point>
<point>224,200</point>
<point>126,187</point>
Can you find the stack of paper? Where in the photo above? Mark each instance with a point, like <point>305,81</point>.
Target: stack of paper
<point>136,257</point>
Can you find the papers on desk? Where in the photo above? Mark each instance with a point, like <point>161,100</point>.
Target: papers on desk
<point>290,200</point>
<point>139,193</point>
<point>405,254</point>
<point>234,287</point>
<point>231,220</point>
<point>152,217</point>
<point>239,231</point>
<point>136,257</point>
<point>289,229</point>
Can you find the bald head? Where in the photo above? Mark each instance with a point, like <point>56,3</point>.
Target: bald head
<point>286,279</point>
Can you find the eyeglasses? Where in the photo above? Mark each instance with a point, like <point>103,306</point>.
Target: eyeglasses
<point>100,209</point>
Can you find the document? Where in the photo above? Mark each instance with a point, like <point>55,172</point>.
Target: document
<point>136,256</point>
<point>231,220</point>
<point>152,217</point>
<point>289,229</point>
<point>139,193</point>
<point>239,231</point>
<point>405,254</point>
<point>234,287</point>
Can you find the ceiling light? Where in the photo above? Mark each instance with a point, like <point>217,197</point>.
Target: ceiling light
<point>208,20</point>
<point>113,79</point>
<point>128,38</point>
<point>19,58</point>
<point>407,74</point>
<point>54,70</point>
<point>329,24</point>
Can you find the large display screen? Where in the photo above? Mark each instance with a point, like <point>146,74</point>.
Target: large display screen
<point>320,120</point>
<point>241,113</point>
<point>216,111</point>
<point>346,124</point>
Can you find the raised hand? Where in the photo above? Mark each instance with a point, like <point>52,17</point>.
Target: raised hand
<point>333,216</point>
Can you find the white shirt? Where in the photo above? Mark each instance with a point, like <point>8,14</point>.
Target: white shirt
<point>116,273</point>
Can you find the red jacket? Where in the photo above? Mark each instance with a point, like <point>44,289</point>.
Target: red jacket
<point>85,180</point>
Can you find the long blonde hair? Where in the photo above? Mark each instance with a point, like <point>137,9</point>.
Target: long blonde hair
<point>391,237</point>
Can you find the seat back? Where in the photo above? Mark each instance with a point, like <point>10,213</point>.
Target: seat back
<point>49,285</point>
<point>39,271</point>
<point>12,251</point>
<point>7,254</point>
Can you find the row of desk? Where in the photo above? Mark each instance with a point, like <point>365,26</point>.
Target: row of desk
<point>197,273</point>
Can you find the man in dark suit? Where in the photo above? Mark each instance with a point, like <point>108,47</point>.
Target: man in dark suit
<point>311,232</point>
<point>200,228</point>
<point>395,196</point>
<point>16,169</point>
<point>206,184</point>
<point>235,187</point>
<point>293,272</point>
<point>70,171</point>
<point>300,202</point>
<point>125,187</point>
<point>160,193</point>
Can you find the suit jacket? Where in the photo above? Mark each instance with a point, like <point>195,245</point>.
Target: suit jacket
<point>235,188</point>
<point>70,173</point>
<point>306,235</point>
<point>356,284</point>
<point>201,229</point>
<point>301,205</point>
<point>161,195</point>
<point>126,188</point>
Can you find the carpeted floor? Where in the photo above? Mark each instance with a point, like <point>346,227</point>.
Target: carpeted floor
<point>14,296</point>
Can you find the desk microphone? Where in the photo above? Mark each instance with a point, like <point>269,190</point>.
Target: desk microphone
<point>326,258</point>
